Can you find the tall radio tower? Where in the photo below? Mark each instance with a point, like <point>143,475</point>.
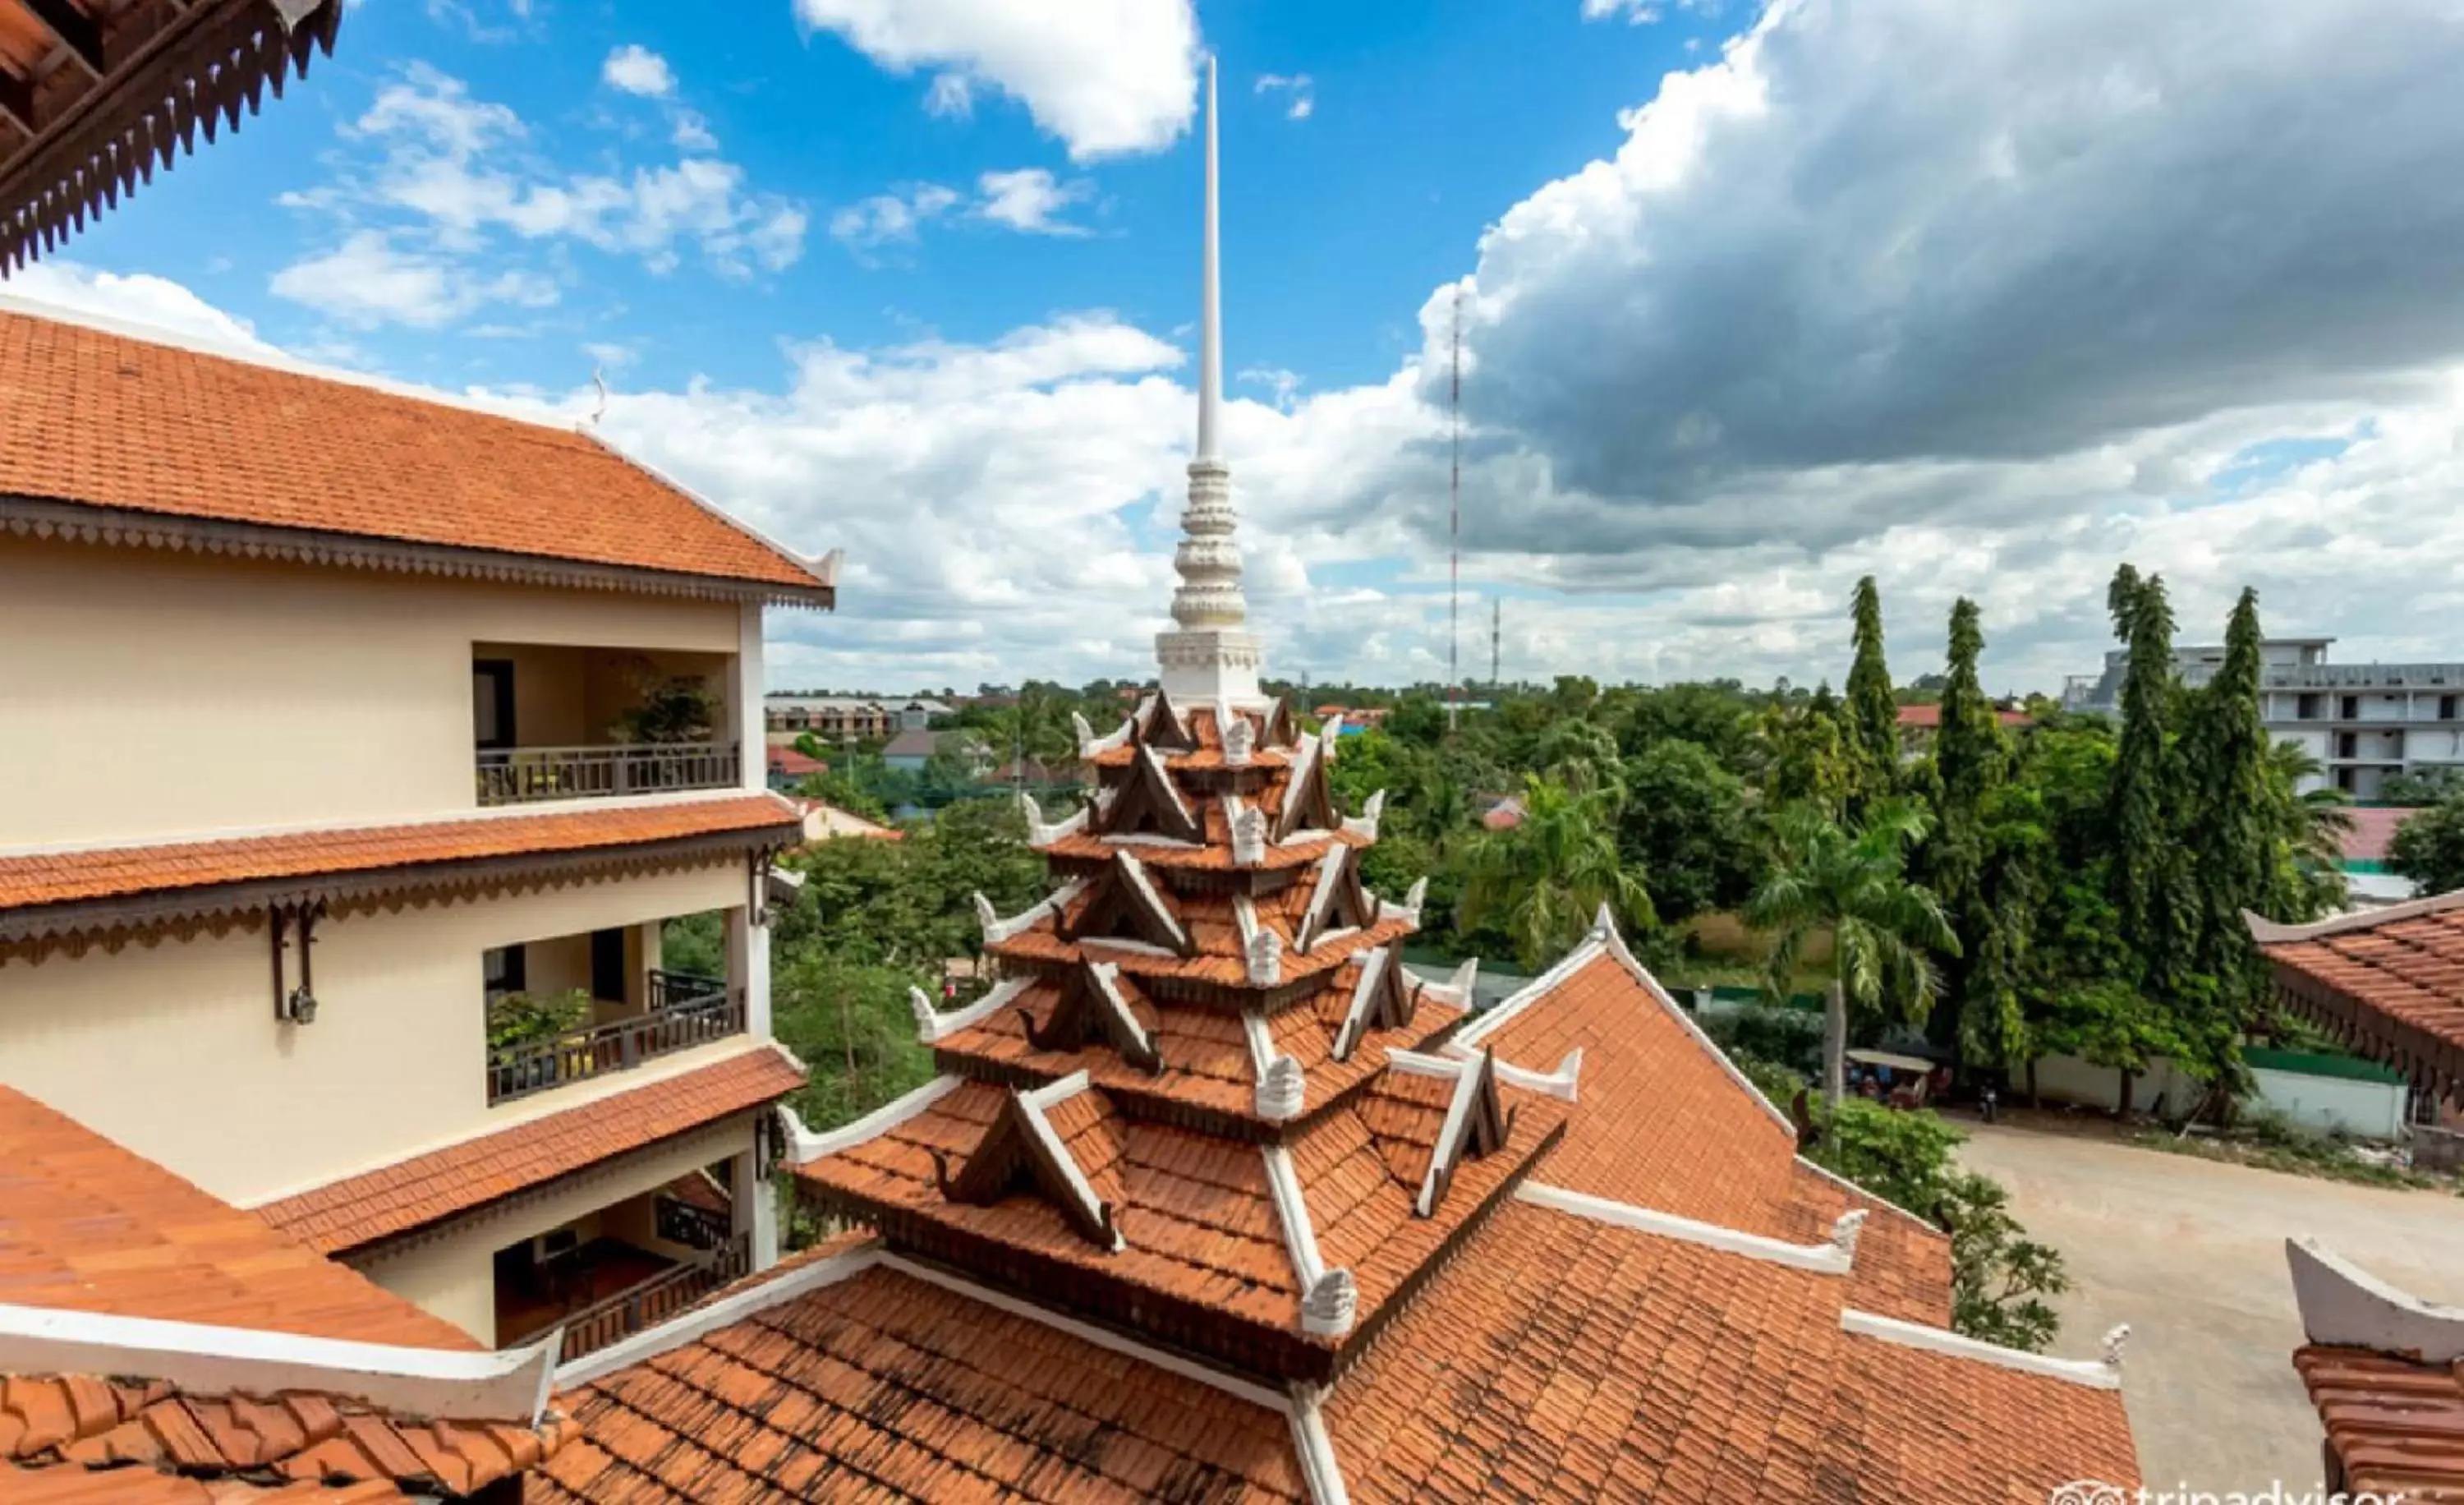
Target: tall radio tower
<point>1454,519</point>
<point>1496,634</point>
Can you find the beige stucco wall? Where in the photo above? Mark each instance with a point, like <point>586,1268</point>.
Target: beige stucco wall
<point>153,695</point>
<point>454,1276</point>
<point>173,1050</point>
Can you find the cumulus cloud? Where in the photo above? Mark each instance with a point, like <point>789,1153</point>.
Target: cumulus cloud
<point>1029,199</point>
<point>439,190</point>
<point>154,302</point>
<point>635,69</point>
<point>1106,77</point>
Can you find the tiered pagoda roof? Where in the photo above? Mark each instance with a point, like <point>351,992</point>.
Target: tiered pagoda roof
<point>1211,1197</point>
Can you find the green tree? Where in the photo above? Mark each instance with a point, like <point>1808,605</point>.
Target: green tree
<point>2311,825</point>
<point>2422,787</point>
<point>1970,763</point>
<point>2234,819</point>
<point>1805,755</point>
<point>1999,1278</point>
<point>1544,880</point>
<point>1873,712</point>
<point>1852,884</point>
<point>1688,823</point>
<point>2429,847</point>
<point>2151,900</point>
<point>2114,1024</point>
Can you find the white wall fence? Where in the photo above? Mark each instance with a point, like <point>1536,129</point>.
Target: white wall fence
<point>2363,1109</point>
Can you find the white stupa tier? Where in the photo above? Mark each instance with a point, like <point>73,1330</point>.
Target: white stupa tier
<point>1210,655</point>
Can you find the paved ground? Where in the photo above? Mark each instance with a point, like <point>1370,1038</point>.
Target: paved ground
<point>2191,1253</point>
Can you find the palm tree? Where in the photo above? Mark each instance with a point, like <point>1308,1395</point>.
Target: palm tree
<point>2312,828</point>
<point>1853,883</point>
<point>1545,879</point>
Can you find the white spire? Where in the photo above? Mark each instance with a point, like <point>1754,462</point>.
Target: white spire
<point>1211,655</point>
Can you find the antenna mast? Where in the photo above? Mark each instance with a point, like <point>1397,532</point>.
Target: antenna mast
<point>1454,519</point>
<point>1496,626</point>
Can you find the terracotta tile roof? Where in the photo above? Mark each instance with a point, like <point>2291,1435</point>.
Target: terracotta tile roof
<point>1561,1358</point>
<point>209,436</point>
<point>2393,984</point>
<point>126,1487</point>
<point>1928,717</point>
<point>54,1429</point>
<point>86,1225</point>
<point>1663,1124</point>
<point>380,1204</point>
<point>121,872</point>
<point>886,1387</point>
<point>2397,1424</point>
<point>2372,832</point>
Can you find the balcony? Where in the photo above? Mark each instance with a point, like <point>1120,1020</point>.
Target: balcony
<point>684,1011</point>
<point>554,722</point>
<point>527,775</point>
<point>623,1270</point>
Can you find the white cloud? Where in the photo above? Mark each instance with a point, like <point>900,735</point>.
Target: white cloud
<point>692,133</point>
<point>1299,91</point>
<point>452,188</point>
<point>894,217</point>
<point>1635,12</point>
<point>368,280</point>
<point>949,96</point>
<point>1284,385</point>
<point>1107,77</point>
<point>157,302</point>
<point>1027,200</point>
<point>635,69</point>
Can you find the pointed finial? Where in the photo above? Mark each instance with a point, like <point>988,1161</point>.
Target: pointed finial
<point>2116,1338</point>
<point>1210,301</point>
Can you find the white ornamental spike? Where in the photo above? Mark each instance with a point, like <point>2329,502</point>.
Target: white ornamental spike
<point>1844,1231</point>
<point>1263,954</point>
<point>1086,733</point>
<point>1414,897</point>
<point>1328,1307</point>
<point>1603,923</point>
<point>1282,1090</point>
<point>1465,978</point>
<point>986,915</point>
<point>2116,1338</point>
<point>1327,733</point>
<point>926,1021</point>
<point>1249,837</point>
<point>1034,813</point>
<point>1365,824</point>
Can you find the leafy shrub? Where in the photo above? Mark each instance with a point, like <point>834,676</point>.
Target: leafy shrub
<point>517,1019</point>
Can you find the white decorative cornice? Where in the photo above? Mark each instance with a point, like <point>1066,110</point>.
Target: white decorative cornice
<point>1090,745</point>
<point>804,1147</point>
<point>933,1027</point>
<point>1561,1083</point>
<point>2343,1304</point>
<point>1826,1258</point>
<point>2093,1374</point>
<point>507,1386</point>
<point>996,929</point>
<point>1040,834</point>
<point>1457,990</point>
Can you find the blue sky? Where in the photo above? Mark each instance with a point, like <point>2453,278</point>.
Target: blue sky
<point>1758,298</point>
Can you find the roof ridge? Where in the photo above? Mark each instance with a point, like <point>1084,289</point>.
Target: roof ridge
<point>2103,1374</point>
<point>1833,1256</point>
<point>2267,932</point>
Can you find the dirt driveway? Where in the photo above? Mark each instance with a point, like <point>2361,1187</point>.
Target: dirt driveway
<point>2191,1253</point>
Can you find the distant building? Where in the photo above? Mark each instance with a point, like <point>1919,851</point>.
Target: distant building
<point>789,768</point>
<point>1926,719</point>
<point>2362,721</point>
<point>848,719</point>
<point>2367,882</point>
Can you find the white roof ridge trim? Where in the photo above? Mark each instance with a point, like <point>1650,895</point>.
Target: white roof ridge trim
<point>996,928</point>
<point>1876,1200</point>
<point>1102,1338</point>
<point>824,566</point>
<point>1448,1150</point>
<point>1347,1034</point>
<point>1300,1235</point>
<point>935,1026</point>
<point>2267,932</point>
<point>807,1146</point>
<point>1823,1259</point>
<point>2342,1303</point>
<point>787,814</point>
<point>726,1312</point>
<point>1050,1094</point>
<point>1320,1469</point>
<point>1561,1083</point>
<point>1135,871</point>
<point>1420,1063</point>
<point>2091,1373</point>
<point>509,1385</point>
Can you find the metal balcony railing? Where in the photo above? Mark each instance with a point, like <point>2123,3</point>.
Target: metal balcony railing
<point>654,1301</point>
<point>685,1012</point>
<point>524,775</point>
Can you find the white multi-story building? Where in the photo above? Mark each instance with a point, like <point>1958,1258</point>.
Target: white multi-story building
<point>332,718</point>
<point>2361,721</point>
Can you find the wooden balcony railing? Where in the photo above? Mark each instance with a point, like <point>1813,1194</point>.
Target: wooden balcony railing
<point>686,1011</point>
<point>525,775</point>
<point>654,1301</point>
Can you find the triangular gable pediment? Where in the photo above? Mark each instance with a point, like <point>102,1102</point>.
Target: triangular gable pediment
<point>1161,725</point>
<point>1383,997</point>
<point>1129,905</point>
<point>1308,796</point>
<point>1020,1152</point>
<point>1337,900</point>
<point>1146,803</point>
<point>1092,1008</point>
<point>1477,1126</point>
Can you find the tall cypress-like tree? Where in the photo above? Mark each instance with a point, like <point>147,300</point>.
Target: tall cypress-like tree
<point>2231,840</point>
<point>1970,761</point>
<point>1872,712</point>
<point>2149,897</point>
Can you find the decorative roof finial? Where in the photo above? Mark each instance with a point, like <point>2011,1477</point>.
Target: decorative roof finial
<point>1210,655</point>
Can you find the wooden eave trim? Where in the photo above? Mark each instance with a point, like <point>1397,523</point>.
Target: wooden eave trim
<point>79,522</point>
<point>371,887</point>
<point>2431,1062</point>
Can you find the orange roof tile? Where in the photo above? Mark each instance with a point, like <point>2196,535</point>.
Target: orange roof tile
<point>883,1386</point>
<point>55,1428</point>
<point>121,871</point>
<point>86,1225</point>
<point>2391,983</point>
<point>1908,1423</point>
<point>394,1199</point>
<point>212,437</point>
<point>2397,1424</point>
